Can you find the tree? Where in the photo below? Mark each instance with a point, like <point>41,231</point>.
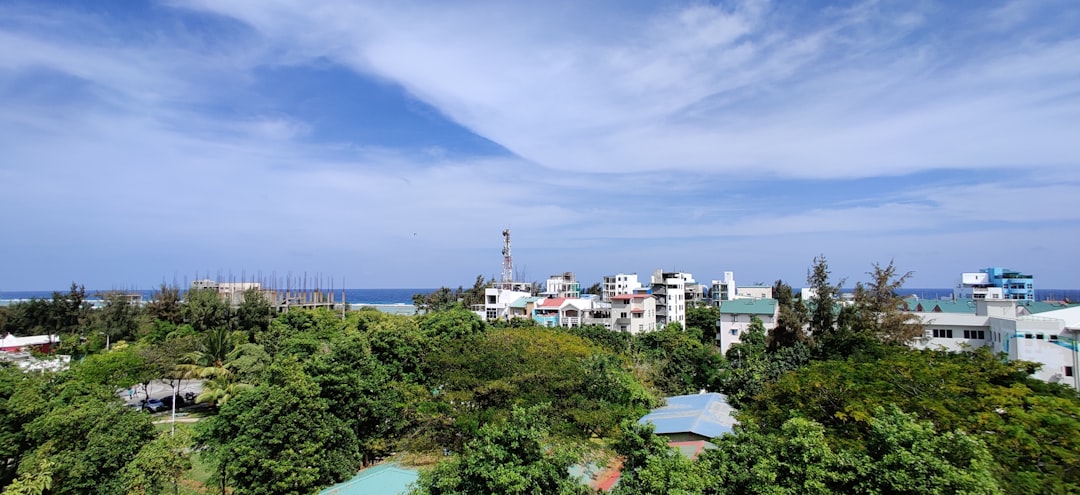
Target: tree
<point>651,467</point>
<point>254,313</point>
<point>158,466</point>
<point>515,457</point>
<point>1029,426</point>
<point>824,299</point>
<point>204,309</point>
<point>475,294</point>
<point>792,316</point>
<point>797,459</point>
<point>879,307</point>
<point>907,456</point>
<point>280,437</point>
<point>439,300</point>
<point>681,363</point>
<point>703,318</point>
<point>85,433</point>
<point>118,318</point>
<point>165,305</point>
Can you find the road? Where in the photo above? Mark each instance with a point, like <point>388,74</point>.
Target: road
<point>160,389</point>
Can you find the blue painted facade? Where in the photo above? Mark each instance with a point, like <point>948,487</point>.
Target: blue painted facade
<point>1014,285</point>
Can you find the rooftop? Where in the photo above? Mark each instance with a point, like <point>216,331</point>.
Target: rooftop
<point>748,307</point>
<point>708,415</point>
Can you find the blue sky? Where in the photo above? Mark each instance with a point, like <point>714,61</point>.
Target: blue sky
<point>389,143</point>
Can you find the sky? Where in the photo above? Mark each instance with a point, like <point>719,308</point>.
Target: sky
<point>388,144</point>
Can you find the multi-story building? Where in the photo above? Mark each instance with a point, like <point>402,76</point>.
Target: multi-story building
<point>618,284</point>
<point>726,290</point>
<point>497,303</point>
<point>1003,325</point>
<point>736,315</point>
<point>996,283</point>
<point>670,289</point>
<point>561,311</point>
<point>633,313</point>
<point>722,290</point>
<point>563,285</point>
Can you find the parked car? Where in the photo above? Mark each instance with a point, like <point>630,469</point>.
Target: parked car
<point>154,405</point>
<point>168,400</point>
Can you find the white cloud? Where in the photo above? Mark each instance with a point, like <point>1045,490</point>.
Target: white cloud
<point>708,87</point>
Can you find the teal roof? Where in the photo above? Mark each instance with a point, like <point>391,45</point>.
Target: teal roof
<point>968,305</point>
<point>940,305</point>
<point>384,479</point>
<point>1035,307</point>
<point>521,302</point>
<point>748,307</point>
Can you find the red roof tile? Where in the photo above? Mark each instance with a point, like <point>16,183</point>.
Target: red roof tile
<point>625,297</point>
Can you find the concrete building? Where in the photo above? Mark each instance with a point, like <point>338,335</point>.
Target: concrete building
<point>497,303</point>
<point>1003,325</point>
<point>726,290</point>
<point>670,290</point>
<point>561,311</point>
<point>619,284</point>
<point>563,285</point>
<point>634,313</point>
<point>995,283</point>
<point>723,289</point>
<point>736,315</point>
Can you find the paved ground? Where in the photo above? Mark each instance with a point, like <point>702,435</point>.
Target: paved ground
<point>159,389</point>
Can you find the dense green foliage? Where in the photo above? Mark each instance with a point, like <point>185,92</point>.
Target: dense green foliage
<point>831,401</point>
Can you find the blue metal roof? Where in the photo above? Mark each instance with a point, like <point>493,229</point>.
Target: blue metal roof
<point>708,415</point>
<point>384,479</point>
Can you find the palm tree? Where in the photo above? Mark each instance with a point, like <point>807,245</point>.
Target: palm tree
<point>222,363</point>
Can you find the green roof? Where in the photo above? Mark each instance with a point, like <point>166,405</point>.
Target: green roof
<point>748,307</point>
<point>968,305</point>
<point>940,305</point>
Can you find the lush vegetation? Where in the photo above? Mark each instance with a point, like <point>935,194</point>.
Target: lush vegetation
<point>303,399</point>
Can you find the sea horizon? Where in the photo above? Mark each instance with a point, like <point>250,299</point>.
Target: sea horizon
<point>403,297</point>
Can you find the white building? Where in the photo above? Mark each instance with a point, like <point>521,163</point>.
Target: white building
<point>497,303</point>
<point>619,284</point>
<point>634,313</point>
<point>670,289</point>
<point>723,290</point>
<point>561,311</point>
<point>736,315</point>
<point>1049,338</point>
<point>562,285</point>
<point>726,290</point>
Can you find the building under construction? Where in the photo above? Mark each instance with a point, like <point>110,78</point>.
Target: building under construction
<point>282,294</point>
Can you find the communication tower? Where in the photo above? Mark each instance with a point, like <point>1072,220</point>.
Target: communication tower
<point>508,260</point>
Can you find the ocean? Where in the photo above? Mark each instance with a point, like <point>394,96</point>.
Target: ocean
<point>389,300</point>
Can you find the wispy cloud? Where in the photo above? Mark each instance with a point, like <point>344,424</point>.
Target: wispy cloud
<point>745,135</point>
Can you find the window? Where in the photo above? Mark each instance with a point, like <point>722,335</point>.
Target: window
<point>1028,336</point>
<point>734,331</point>
<point>943,333</point>
<point>491,314</point>
<point>622,327</point>
<point>622,315</point>
<point>1068,371</point>
<point>975,334</point>
<point>1039,336</point>
<point>640,327</point>
<point>1053,337</point>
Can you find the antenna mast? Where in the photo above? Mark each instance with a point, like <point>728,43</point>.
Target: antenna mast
<point>508,260</point>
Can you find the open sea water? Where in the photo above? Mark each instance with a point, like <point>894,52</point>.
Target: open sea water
<point>398,301</point>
